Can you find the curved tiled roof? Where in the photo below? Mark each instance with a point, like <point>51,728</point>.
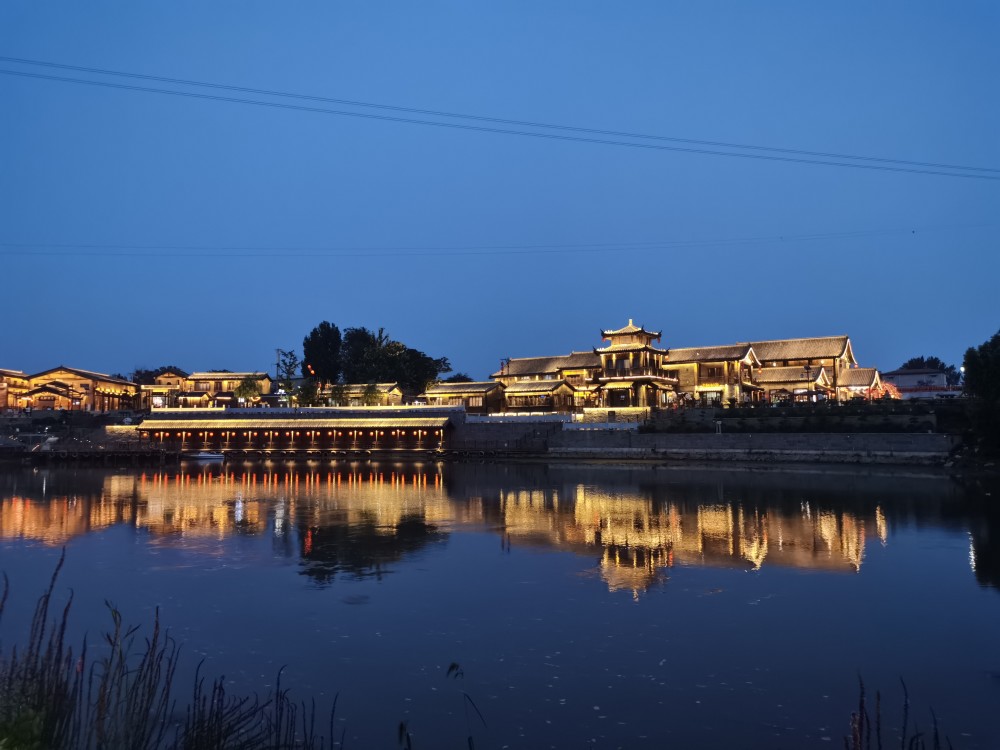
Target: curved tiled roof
<point>83,374</point>
<point>824,347</point>
<point>536,386</point>
<point>859,377</point>
<point>630,328</point>
<point>775,375</point>
<point>523,366</point>
<point>711,354</point>
<point>634,347</point>
<point>227,375</point>
<point>455,389</point>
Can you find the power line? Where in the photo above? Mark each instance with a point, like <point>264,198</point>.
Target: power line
<point>502,131</point>
<point>241,251</point>
<point>498,120</point>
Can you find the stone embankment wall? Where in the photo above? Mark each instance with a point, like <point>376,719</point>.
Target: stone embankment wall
<point>867,448</point>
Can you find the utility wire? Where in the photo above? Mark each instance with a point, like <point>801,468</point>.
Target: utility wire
<point>482,118</point>
<point>239,251</point>
<point>503,131</point>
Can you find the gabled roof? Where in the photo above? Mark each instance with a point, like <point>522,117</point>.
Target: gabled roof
<point>633,347</point>
<point>579,361</point>
<point>88,374</point>
<point>227,375</point>
<point>525,387</point>
<point>775,375</point>
<point>728,353</point>
<point>921,371</point>
<point>13,373</point>
<point>193,394</point>
<point>358,389</point>
<point>859,377</point>
<point>630,328</point>
<point>825,347</point>
<point>58,389</point>
<point>524,366</point>
<point>456,389</point>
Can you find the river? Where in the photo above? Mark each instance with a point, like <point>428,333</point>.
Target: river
<point>586,605</point>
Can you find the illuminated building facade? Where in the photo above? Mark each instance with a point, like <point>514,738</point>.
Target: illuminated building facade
<point>530,380</point>
<point>477,397</point>
<point>372,394</point>
<point>632,372</point>
<point>164,390</point>
<point>715,375</point>
<point>13,385</point>
<point>72,389</point>
<point>833,354</point>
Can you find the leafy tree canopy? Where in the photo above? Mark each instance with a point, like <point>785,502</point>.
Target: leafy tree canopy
<point>248,389</point>
<point>982,371</point>
<point>288,368</point>
<point>372,357</point>
<point>952,375</point>
<point>321,352</point>
<point>982,383</point>
<point>458,377</point>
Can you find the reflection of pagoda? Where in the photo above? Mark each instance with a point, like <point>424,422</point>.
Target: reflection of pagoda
<point>632,369</point>
<point>640,537</point>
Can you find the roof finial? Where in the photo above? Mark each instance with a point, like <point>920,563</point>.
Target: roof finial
<point>630,322</point>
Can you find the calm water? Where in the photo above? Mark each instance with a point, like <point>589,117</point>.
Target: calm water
<point>588,607</point>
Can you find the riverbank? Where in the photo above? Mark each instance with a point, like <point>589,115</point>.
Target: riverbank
<point>908,449</point>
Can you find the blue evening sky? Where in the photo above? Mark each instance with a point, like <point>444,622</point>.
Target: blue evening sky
<point>141,229</point>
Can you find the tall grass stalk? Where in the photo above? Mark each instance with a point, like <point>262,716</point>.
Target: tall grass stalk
<point>861,727</point>
<point>52,698</point>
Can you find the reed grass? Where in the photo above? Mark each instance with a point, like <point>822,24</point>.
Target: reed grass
<point>909,739</point>
<point>55,698</point>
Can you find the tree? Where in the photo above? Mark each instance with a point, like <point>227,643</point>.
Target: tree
<point>458,377</point>
<point>982,384</point>
<point>360,355</point>
<point>288,368</point>
<point>248,389</point>
<point>952,376</point>
<point>144,376</point>
<point>338,394</point>
<point>306,394</point>
<point>321,352</point>
<point>369,397</point>
<point>370,357</point>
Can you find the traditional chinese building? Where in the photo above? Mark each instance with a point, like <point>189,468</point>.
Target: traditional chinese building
<point>477,397</point>
<point>806,383</point>
<point>371,394</point>
<point>13,385</point>
<point>578,370</point>
<point>632,372</point>
<point>833,353</point>
<point>862,382</point>
<point>715,375</point>
<point>164,390</point>
<point>217,389</point>
<point>72,389</point>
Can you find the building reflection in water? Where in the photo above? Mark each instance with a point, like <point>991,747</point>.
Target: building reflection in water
<point>639,538</point>
<point>360,519</point>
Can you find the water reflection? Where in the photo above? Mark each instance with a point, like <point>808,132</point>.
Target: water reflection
<point>361,519</point>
